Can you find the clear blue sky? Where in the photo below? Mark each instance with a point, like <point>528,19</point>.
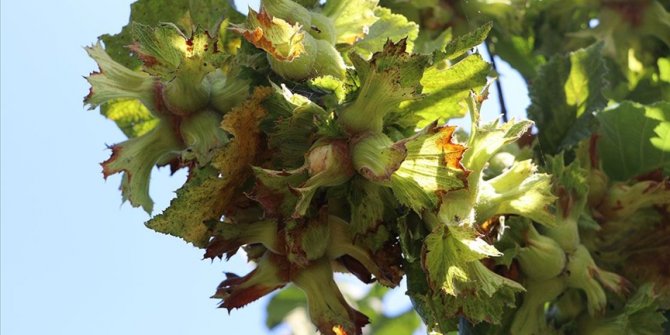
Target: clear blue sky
<point>73,259</point>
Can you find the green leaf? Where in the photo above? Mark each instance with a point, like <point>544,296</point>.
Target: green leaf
<point>446,260</point>
<point>410,194</point>
<point>565,96</point>
<point>518,51</point>
<point>393,27</point>
<point>433,309</point>
<point>445,90</point>
<point>208,14</point>
<point>130,115</point>
<point>427,45</point>
<point>351,17</point>
<point>369,304</point>
<point>466,285</point>
<point>432,167</point>
<point>664,69</point>
<point>642,313</point>
<point>635,139</point>
<point>405,323</point>
<point>464,43</point>
<point>282,304</point>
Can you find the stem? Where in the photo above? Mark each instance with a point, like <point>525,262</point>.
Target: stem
<point>503,108</point>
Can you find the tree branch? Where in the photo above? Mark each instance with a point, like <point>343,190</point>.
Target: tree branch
<point>503,108</point>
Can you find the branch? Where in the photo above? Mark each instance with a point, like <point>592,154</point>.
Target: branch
<point>503,108</point>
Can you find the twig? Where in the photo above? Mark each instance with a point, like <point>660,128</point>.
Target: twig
<point>503,108</point>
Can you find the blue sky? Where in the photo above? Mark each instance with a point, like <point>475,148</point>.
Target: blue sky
<point>74,260</point>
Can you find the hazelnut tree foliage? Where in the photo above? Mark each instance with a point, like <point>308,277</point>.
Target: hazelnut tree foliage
<point>316,138</point>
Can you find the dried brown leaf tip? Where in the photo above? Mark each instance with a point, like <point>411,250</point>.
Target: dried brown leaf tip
<point>338,330</point>
<point>453,152</point>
